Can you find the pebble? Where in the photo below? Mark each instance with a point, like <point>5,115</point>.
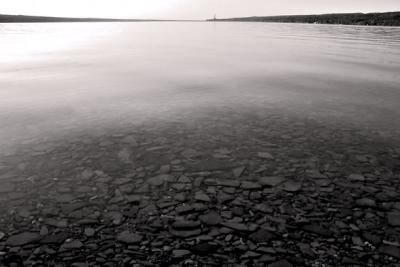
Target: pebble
<point>89,232</point>
<point>271,181</point>
<point>23,239</point>
<point>180,253</point>
<point>366,202</point>
<point>129,238</point>
<point>265,155</point>
<point>356,177</point>
<point>291,186</point>
<point>200,196</point>
<point>236,226</point>
<point>74,244</point>
<point>281,263</point>
<point>394,219</point>
<point>212,218</point>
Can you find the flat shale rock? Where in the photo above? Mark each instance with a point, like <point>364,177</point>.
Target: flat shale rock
<point>185,225</point>
<point>58,238</point>
<point>281,263</point>
<point>291,186</point>
<point>271,181</point>
<point>356,177</point>
<point>236,226</point>
<point>2,235</point>
<point>72,245</point>
<point>262,236</point>
<point>317,229</point>
<point>228,183</point>
<point>394,219</point>
<point>265,155</point>
<point>390,251</point>
<point>180,253</point>
<point>129,238</point>
<point>211,218</point>
<point>204,249</point>
<point>211,165</point>
<point>185,233</point>
<point>201,196</point>
<point>246,185</point>
<point>159,179</point>
<point>23,239</point>
<point>366,202</point>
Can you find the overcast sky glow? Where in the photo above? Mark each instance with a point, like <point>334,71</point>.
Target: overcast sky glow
<point>189,9</point>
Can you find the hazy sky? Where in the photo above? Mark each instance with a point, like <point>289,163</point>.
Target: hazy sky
<point>189,9</point>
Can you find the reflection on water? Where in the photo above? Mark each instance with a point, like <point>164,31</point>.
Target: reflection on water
<point>60,78</point>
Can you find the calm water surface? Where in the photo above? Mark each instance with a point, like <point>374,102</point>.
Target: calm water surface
<point>63,77</point>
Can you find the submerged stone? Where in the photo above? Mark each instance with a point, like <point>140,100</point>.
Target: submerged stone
<point>23,239</point>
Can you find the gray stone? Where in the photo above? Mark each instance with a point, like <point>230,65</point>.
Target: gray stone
<point>184,209</point>
<point>236,226</point>
<point>306,250</point>
<point>237,172</point>
<point>291,186</point>
<point>317,229</point>
<point>262,236</point>
<point>159,179</point>
<point>89,232</point>
<point>115,216</point>
<point>180,253</point>
<point>228,183</point>
<point>181,224</point>
<point>129,238</point>
<point>57,238</point>
<point>74,244</point>
<point>201,196</point>
<point>124,155</point>
<point>133,198</point>
<point>366,202</point>
<point>271,181</point>
<point>204,249</point>
<point>2,235</point>
<point>250,255</point>
<point>185,233</point>
<point>281,263</point>
<point>265,155</point>
<point>394,219</point>
<point>211,218</point>
<point>391,251</point>
<point>356,177</point>
<point>246,185</point>
<point>23,239</point>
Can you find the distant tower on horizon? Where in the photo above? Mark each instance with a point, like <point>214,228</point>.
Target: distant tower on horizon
<point>215,17</point>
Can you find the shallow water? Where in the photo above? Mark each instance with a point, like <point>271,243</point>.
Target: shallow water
<point>57,79</point>
<point>118,140</point>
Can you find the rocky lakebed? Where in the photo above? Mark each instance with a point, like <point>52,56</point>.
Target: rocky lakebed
<point>231,189</point>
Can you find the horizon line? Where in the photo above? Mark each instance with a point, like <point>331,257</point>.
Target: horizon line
<point>207,19</point>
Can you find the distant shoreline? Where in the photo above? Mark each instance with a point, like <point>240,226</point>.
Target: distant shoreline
<point>369,19</point>
<point>42,19</point>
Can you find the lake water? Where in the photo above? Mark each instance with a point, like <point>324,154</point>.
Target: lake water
<point>58,79</point>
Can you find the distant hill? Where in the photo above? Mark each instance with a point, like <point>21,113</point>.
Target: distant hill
<point>32,19</point>
<point>377,19</point>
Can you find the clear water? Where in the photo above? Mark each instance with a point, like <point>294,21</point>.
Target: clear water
<point>64,77</point>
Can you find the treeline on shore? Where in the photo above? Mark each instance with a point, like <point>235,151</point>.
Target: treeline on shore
<point>32,19</point>
<point>377,19</point>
